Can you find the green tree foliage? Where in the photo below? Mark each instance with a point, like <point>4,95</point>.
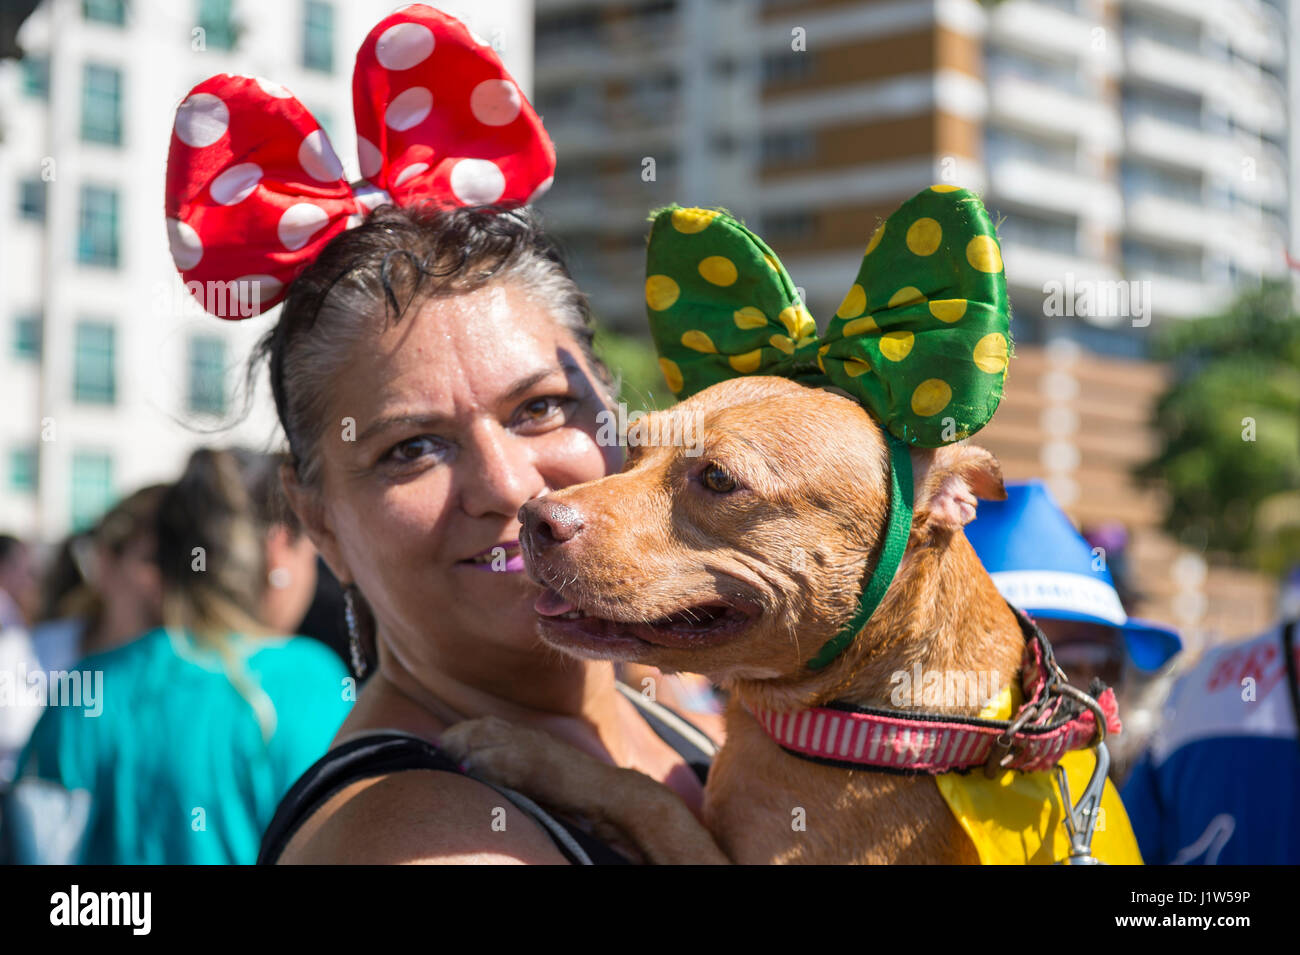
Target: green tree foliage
<point>1229,427</point>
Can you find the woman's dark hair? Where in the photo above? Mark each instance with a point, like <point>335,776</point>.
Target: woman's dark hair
<point>396,258</point>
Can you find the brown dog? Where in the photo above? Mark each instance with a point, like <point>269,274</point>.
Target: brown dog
<point>738,559</point>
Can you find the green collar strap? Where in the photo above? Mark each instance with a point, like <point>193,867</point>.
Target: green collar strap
<point>891,553</point>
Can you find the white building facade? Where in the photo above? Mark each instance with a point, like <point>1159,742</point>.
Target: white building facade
<point>109,374</point>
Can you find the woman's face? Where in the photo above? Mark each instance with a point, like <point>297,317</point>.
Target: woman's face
<point>463,411</point>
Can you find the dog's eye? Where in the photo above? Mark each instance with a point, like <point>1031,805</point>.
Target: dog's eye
<point>717,480</point>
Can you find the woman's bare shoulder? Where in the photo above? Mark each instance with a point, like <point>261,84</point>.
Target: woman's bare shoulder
<point>418,817</point>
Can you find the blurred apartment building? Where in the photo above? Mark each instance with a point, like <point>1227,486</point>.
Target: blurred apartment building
<point>1135,139</point>
<point>1116,140</point>
<point>109,374</point>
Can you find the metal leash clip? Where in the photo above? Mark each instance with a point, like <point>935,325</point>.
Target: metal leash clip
<point>1081,819</point>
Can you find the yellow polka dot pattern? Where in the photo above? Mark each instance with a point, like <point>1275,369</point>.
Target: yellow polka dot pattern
<point>797,321</point>
<point>690,221</point>
<point>875,239</point>
<point>930,397</point>
<point>661,292</point>
<point>948,309</point>
<point>909,295</point>
<point>921,337</point>
<point>854,304</point>
<point>897,345</point>
<point>699,341</point>
<point>991,353</point>
<point>860,326</point>
<point>924,236</point>
<point>719,270</point>
<point>672,374</point>
<point>930,291</point>
<point>983,253</point>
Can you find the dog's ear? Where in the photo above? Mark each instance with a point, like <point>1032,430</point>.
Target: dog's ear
<point>947,481</point>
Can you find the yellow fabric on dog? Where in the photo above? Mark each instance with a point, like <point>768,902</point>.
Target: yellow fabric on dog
<point>1017,818</point>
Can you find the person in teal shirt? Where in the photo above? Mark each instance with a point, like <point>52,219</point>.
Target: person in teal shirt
<point>184,740</point>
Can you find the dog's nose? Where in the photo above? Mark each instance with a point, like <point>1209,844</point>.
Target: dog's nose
<point>549,522</point>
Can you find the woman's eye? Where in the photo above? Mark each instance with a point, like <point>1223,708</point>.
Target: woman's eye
<point>413,449</point>
<point>542,409</point>
<point>717,480</point>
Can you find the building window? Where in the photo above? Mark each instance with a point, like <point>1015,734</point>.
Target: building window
<point>1181,107</point>
<point>217,24</point>
<point>787,146</point>
<point>105,11</point>
<point>31,200</point>
<point>97,236</point>
<point>22,470</point>
<point>318,36</point>
<point>207,375</point>
<point>1005,145</point>
<point>1046,232</point>
<point>1003,63</point>
<point>1138,179</point>
<point>36,76</point>
<point>94,370</point>
<point>789,226</point>
<point>27,338</point>
<point>1185,264</point>
<point>786,66</point>
<point>92,488</point>
<point>101,105</point>
<point>563,28</point>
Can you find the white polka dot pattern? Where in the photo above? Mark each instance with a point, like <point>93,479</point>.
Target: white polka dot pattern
<point>477,181</point>
<point>236,184</point>
<point>317,157</point>
<point>201,120</point>
<point>255,188</point>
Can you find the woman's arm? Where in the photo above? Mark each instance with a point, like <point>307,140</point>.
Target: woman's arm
<point>419,817</point>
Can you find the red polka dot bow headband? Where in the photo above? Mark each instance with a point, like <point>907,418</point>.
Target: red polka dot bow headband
<point>255,191</point>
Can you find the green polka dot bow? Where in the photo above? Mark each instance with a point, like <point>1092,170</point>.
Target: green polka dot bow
<point>922,339</point>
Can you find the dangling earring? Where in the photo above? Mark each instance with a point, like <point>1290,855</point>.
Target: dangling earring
<point>354,632</point>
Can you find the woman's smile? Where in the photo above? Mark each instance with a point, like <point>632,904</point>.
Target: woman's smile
<point>502,558</point>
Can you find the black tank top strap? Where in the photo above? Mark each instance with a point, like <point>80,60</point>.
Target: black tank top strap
<point>390,751</point>
<point>382,753</point>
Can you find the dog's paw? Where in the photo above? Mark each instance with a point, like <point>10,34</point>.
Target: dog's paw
<point>496,751</point>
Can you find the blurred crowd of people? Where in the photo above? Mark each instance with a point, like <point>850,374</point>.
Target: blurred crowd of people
<point>168,674</point>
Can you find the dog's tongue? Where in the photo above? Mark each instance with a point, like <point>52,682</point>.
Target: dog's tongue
<point>551,604</point>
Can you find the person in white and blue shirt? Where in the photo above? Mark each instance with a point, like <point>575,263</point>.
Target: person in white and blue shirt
<point>1220,783</point>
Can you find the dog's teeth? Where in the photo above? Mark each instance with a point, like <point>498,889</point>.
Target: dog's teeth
<point>571,615</point>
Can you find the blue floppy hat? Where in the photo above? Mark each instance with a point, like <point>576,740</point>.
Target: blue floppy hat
<point>1041,564</point>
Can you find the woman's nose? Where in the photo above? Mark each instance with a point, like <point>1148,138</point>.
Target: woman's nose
<point>547,522</point>
<point>504,474</point>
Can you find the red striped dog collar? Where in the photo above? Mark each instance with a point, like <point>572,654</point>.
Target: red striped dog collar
<point>1056,719</point>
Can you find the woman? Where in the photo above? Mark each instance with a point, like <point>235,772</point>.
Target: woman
<point>100,591</point>
<point>188,736</point>
<point>103,589</point>
<point>433,371</point>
